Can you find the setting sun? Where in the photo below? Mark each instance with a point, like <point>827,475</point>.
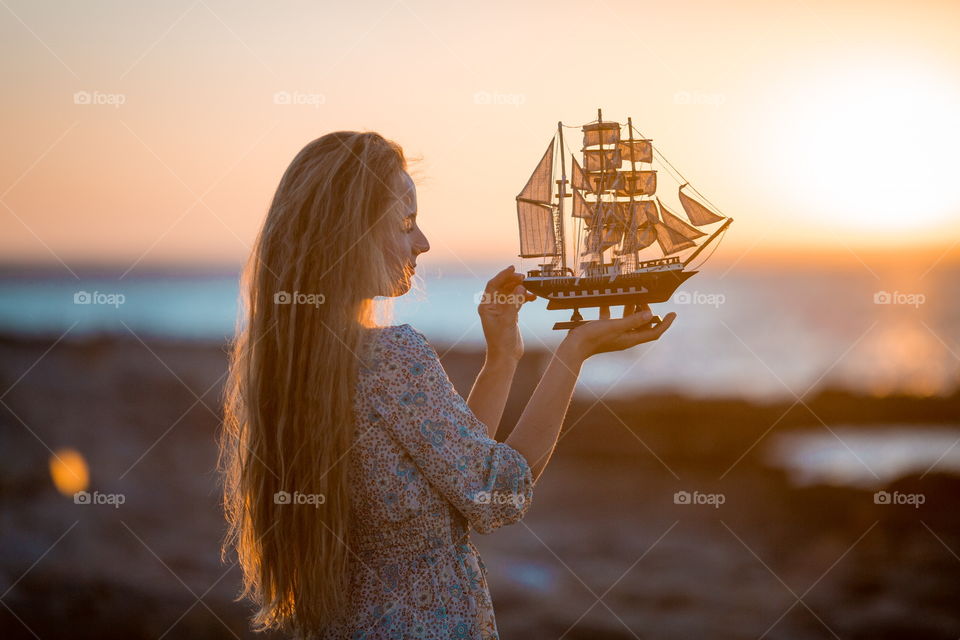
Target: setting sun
<point>873,148</point>
<point>298,299</point>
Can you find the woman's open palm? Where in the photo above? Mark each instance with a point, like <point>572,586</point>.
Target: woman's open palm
<point>616,334</point>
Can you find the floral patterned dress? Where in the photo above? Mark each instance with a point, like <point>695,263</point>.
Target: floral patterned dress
<point>424,472</point>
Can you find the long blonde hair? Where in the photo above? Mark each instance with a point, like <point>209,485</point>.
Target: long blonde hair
<point>288,417</point>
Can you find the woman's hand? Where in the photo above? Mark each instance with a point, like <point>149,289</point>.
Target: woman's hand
<point>617,334</point>
<point>499,308</point>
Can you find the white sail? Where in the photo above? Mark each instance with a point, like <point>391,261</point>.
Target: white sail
<point>670,241</point>
<point>600,239</point>
<point>538,188</point>
<point>581,208</point>
<point>677,224</point>
<point>594,213</point>
<point>637,183</point>
<point>698,214</point>
<point>641,216</point>
<point>538,235</point>
<point>643,211</point>
<point>607,212</point>
<point>577,177</point>
<point>606,133</point>
<point>597,160</point>
<point>642,150</point>
<point>641,238</point>
<point>606,181</point>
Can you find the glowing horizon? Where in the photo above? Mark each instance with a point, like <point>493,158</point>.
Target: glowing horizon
<point>159,137</point>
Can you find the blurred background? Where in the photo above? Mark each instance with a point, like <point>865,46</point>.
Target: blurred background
<point>782,464</point>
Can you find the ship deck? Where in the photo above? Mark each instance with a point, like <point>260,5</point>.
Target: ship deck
<point>567,292</point>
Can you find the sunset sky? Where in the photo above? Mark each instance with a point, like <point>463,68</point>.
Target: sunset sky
<point>818,126</point>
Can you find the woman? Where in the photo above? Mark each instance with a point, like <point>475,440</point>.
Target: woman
<point>353,472</point>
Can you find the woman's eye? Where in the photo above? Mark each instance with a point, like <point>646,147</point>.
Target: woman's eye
<point>408,224</point>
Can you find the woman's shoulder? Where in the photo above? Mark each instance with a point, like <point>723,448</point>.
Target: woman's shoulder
<point>395,342</point>
<point>401,334</point>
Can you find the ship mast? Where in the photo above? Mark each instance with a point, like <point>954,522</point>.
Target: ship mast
<point>600,183</point>
<point>633,217</point>
<point>563,194</point>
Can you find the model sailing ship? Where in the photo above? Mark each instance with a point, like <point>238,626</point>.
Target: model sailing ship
<point>616,212</point>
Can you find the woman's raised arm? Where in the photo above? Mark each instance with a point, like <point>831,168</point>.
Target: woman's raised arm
<point>498,307</point>
<point>536,433</point>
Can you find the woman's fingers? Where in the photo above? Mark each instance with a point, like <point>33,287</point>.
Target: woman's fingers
<point>634,323</point>
<point>621,333</point>
<point>637,319</point>
<point>630,339</point>
<point>652,333</point>
<point>520,296</point>
<point>505,289</point>
<point>629,309</point>
<point>501,279</point>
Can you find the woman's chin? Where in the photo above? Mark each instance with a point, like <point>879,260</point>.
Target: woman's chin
<point>399,288</point>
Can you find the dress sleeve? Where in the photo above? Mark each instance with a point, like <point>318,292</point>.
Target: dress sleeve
<point>489,482</point>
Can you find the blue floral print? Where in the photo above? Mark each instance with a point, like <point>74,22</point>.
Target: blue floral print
<point>424,474</point>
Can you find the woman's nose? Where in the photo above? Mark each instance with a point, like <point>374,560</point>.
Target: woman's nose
<point>422,244</point>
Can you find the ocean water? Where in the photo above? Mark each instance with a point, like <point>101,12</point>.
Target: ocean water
<point>761,334</point>
<point>868,458</point>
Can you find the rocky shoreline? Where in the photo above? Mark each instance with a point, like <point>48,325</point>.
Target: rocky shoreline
<point>771,560</point>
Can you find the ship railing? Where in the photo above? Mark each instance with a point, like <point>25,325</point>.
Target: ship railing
<point>659,262</point>
<point>551,273</point>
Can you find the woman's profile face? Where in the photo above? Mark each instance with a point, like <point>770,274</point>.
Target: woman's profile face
<point>410,241</point>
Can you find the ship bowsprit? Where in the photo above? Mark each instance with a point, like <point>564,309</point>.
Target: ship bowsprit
<point>633,288</point>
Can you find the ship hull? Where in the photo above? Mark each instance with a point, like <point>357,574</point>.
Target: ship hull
<point>601,291</point>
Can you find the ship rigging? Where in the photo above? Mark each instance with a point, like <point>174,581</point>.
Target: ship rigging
<point>626,241</point>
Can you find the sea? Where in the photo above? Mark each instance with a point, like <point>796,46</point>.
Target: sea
<point>762,334</point>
